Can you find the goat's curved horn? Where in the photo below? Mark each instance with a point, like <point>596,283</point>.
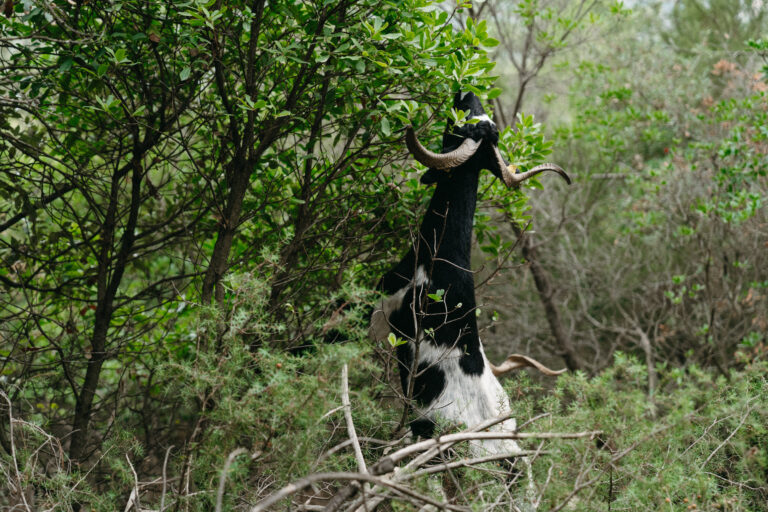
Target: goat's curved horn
<point>518,178</point>
<point>505,172</point>
<point>516,361</point>
<point>440,160</point>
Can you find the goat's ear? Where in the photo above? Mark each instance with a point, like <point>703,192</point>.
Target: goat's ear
<point>432,176</point>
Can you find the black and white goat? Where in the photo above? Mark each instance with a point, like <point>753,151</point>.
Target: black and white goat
<point>442,364</point>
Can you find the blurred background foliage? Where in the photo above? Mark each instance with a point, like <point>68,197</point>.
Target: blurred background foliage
<point>198,195</point>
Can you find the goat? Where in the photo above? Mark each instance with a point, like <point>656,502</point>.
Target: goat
<point>442,364</point>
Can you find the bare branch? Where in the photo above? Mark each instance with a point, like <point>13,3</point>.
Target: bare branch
<point>302,484</point>
<point>223,477</point>
<point>165,479</point>
<point>18,485</point>
<point>350,425</point>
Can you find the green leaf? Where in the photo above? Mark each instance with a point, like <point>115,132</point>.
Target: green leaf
<point>394,341</point>
<point>473,89</point>
<point>385,128</point>
<point>65,65</point>
<point>185,73</point>
<point>494,93</point>
<point>437,296</point>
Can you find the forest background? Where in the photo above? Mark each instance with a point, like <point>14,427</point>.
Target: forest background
<point>197,195</point>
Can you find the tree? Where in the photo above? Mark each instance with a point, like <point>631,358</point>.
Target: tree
<point>144,144</point>
<point>667,199</point>
<point>712,29</point>
<point>532,34</point>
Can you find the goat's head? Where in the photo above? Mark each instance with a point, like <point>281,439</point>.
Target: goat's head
<point>471,146</point>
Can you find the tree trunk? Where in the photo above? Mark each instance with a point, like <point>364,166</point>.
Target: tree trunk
<point>546,295</point>
<point>107,290</point>
<point>226,234</point>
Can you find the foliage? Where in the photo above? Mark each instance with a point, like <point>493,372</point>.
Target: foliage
<point>192,193</point>
<point>281,408</point>
<point>698,443</point>
<point>662,236</point>
<point>700,440</point>
<point>150,147</point>
<point>718,26</point>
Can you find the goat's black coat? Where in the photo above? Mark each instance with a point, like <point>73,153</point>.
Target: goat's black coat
<point>443,250</point>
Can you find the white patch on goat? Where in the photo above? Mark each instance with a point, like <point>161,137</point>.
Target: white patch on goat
<point>380,327</point>
<point>468,399</point>
<point>483,117</point>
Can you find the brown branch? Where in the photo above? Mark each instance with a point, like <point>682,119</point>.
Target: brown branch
<point>471,462</point>
<point>107,289</point>
<point>546,295</point>
<point>18,485</point>
<point>305,482</point>
<point>223,477</point>
<point>29,209</point>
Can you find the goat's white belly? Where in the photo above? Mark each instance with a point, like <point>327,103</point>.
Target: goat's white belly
<point>468,399</point>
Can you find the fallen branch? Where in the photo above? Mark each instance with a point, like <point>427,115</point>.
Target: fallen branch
<point>223,477</point>
<point>165,479</point>
<point>470,462</point>
<point>350,490</point>
<point>133,499</point>
<point>421,460</point>
<point>305,482</point>
<point>348,442</point>
<point>433,447</point>
<point>481,436</point>
<point>350,425</point>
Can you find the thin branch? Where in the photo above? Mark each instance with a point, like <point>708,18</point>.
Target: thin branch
<point>223,477</point>
<point>165,479</point>
<point>348,442</point>
<point>13,452</point>
<point>470,462</point>
<point>305,482</point>
<point>481,436</point>
<point>743,419</point>
<point>133,499</point>
<point>348,417</point>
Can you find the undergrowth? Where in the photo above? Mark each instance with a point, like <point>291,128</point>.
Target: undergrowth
<point>700,441</point>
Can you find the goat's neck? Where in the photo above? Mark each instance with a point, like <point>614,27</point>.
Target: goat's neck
<point>446,231</point>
